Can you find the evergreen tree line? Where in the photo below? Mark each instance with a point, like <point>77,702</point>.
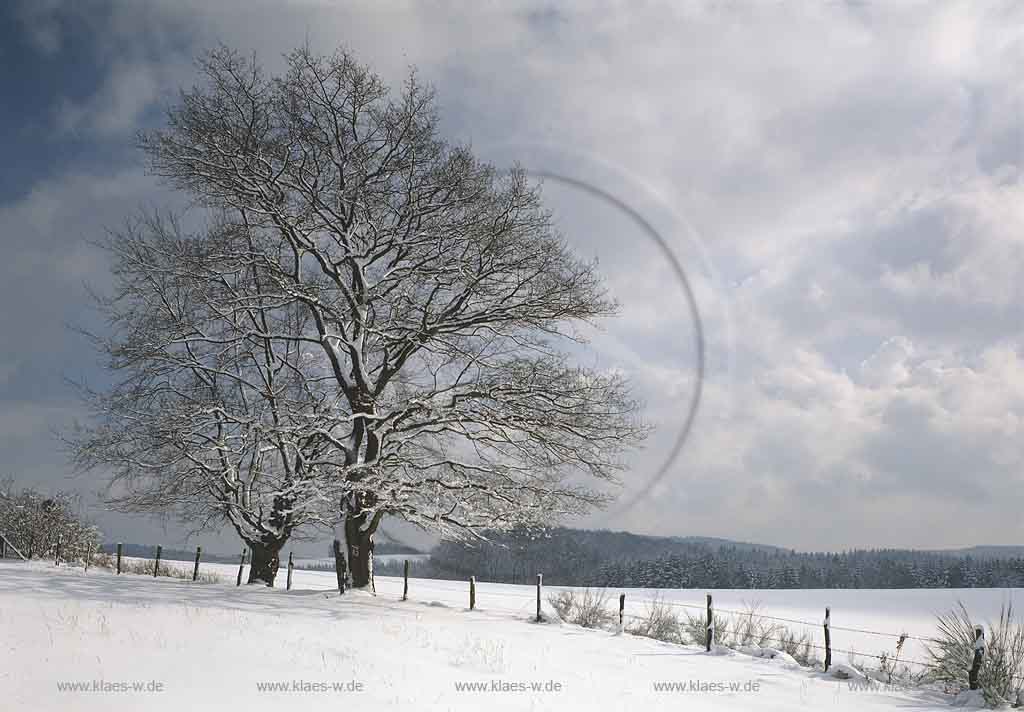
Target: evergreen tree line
<point>621,560</point>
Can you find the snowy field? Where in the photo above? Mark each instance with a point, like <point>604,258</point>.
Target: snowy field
<point>217,647</point>
<point>888,611</point>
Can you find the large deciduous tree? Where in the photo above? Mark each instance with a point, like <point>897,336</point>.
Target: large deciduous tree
<point>431,299</point>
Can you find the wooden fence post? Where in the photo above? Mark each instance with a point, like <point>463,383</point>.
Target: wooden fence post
<point>241,565</point>
<point>156,564</point>
<point>291,566</point>
<point>3,547</point>
<point>472,592</point>
<point>979,651</point>
<point>828,638</point>
<point>405,586</point>
<point>56,555</point>
<point>88,558</point>
<point>118,557</point>
<point>8,546</point>
<point>540,582</point>
<point>622,609</point>
<point>709,635</point>
<point>195,569</point>
<point>339,566</point>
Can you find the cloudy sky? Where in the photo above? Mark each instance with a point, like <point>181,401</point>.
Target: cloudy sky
<point>840,182</point>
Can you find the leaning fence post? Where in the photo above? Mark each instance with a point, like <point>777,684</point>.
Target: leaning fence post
<point>405,586</point>
<point>828,638</point>
<point>156,564</point>
<point>979,651</point>
<point>709,635</point>
<point>118,557</point>
<point>472,592</point>
<point>195,569</point>
<point>540,583</point>
<point>291,566</point>
<point>622,608</point>
<point>241,565</point>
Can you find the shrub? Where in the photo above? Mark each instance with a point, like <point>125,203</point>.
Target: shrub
<point>586,607</point>
<point>751,628</point>
<point>952,653</point>
<point>42,525</point>
<point>562,602</point>
<point>798,645</point>
<point>659,622</point>
<point>695,629</point>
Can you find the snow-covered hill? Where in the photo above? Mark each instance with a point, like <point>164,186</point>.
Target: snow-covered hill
<point>217,647</point>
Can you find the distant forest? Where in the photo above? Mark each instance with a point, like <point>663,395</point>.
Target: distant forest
<point>622,560</point>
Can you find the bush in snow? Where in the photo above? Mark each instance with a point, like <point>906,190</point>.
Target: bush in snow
<point>659,622</point>
<point>798,645</point>
<point>751,629</point>
<point>1002,666</point>
<point>695,629</point>
<point>586,608</point>
<point>891,670</point>
<point>36,523</point>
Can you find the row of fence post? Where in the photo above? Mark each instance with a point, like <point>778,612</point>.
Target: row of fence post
<point>199,555</point>
<point>709,638</point>
<point>58,550</point>
<point>156,562</point>
<point>709,633</point>
<point>195,566</point>
<point>472,593</point>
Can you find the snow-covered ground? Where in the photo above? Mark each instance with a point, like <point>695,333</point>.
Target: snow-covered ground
<point>888,611</point>
<point>213,647</point>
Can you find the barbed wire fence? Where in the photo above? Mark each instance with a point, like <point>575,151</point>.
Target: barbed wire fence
<point>715,633</point>
<point>897,639</point>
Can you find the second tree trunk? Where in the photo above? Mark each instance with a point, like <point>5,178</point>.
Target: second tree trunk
<point>265,562</point>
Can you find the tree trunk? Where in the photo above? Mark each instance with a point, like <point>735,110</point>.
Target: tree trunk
<point>265,562</point>
<point>359,541</point>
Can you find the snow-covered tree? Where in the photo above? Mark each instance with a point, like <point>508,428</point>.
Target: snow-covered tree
<point>37,523</point>
<point>431,299</point>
